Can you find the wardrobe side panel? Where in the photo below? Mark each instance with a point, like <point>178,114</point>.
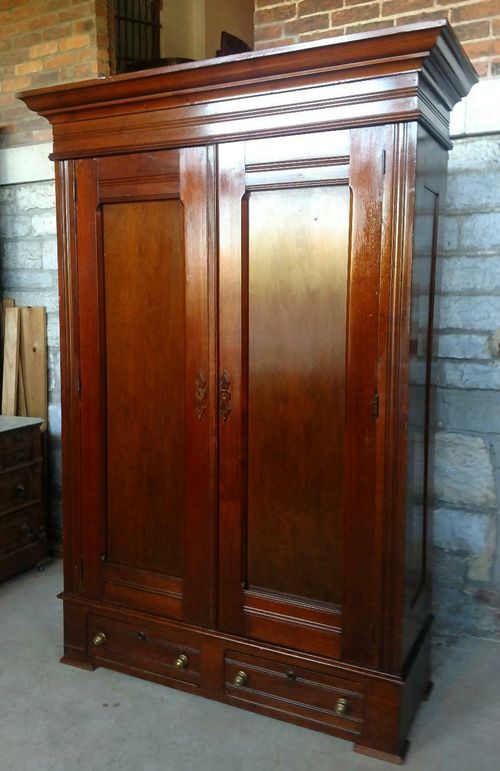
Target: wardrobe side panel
<point>429,200</point>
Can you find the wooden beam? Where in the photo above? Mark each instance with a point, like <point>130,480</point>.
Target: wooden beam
<point>33,356</point>
<point>10,361</point>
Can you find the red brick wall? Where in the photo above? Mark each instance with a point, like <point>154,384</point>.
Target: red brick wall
<point>42,43</point>
<point>477,22</point>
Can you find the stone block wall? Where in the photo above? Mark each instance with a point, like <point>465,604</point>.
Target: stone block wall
<point>467,484</point>
<point>29,276</point>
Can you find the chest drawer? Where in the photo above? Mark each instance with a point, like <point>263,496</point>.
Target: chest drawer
<point>19,530</point>
<point>19,456</point>
<point>16,488</point>
<point>144,647</point>
<point>295,691</point>
<point>16,447</point>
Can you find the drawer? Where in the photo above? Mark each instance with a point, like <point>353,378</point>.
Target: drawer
<point>300,693</point>
<point>16,488</point>
<point>19,530</point>
<point>18,440</point>
<point>145,647</point>
<point>17,457</point>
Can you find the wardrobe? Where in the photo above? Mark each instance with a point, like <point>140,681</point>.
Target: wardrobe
<point>248,252</point>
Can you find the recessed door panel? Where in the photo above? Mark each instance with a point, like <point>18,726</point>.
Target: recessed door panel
<point>144,302</point>
<point>299,280</point>
<point>297,267</point>
<point>147,404</point>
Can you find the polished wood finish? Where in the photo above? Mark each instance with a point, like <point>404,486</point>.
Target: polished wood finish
<point>248,266</point>
<point>144,275</point>
<point>298,254</point>
<point>23,535</point>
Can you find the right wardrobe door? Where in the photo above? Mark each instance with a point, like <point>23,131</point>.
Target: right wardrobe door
<point>299,270</point>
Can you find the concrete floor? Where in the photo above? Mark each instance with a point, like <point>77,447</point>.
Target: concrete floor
<point>57,718</point>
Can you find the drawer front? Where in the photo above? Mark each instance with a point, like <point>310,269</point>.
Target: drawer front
<point>18,440</point>
<point>16,488</point>
<point>144,647</point>
<point>19,530</point>
<point>298,692</point>
<point>17,457</point>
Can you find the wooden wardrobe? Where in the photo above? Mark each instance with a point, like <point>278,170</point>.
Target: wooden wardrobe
<point>247,271</point>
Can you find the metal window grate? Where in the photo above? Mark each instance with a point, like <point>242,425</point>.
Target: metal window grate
<point>136,33</point>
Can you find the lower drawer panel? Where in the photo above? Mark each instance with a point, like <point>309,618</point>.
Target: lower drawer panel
<point>294,691</point>
<point>17,488</point>
<point>144,647</point>
<point>19,530</point>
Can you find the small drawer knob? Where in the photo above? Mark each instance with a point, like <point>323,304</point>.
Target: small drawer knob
<point>342,707</point>
<point>21,490</point>
<point>141,635</point>
<point>291,676</point>
<point>27,530</point>
<point>181,661</point>
<point>241,678</point>
<point>99,639</point>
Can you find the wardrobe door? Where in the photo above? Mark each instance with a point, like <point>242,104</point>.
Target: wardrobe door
<point>299,262</point>
<point>146,409</point>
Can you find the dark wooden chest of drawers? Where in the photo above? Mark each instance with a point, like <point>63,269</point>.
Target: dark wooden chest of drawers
<point>23,539</point>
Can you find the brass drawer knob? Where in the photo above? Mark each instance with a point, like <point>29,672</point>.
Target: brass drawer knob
<point>181,662</point>
<point>27,530</point>
<point>99,639</point>
<point>342,707</point>
<point>241,678</point>
<point>21,490</point>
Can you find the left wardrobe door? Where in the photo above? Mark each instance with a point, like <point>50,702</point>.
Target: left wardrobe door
<point>147,414</point>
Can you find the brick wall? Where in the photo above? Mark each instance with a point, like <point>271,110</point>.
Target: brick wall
<point>42,43</point>
<point>477,22</point>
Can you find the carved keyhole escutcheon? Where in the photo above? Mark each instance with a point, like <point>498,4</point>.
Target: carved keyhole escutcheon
<point>200,394</point>
<point>224,396</point>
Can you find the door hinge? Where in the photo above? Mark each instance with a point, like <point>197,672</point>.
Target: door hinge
<point>74,188</point>
<point>375,405</point>
<point>79,384</point>
<point>384,160</point>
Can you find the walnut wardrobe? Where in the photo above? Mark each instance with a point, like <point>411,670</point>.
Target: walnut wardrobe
<point>247,267</point>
